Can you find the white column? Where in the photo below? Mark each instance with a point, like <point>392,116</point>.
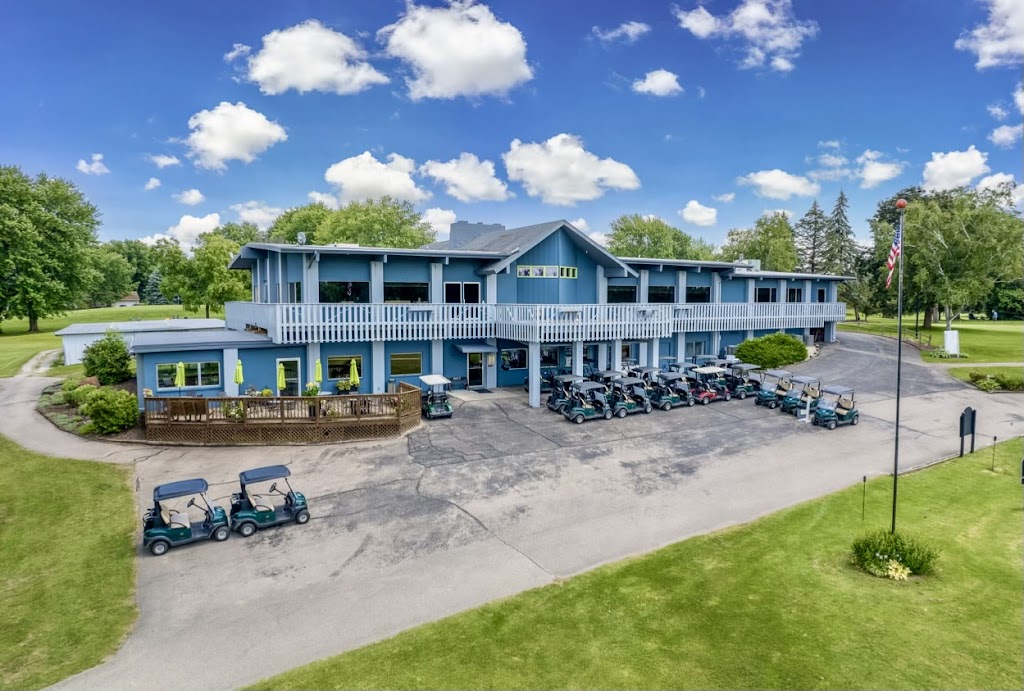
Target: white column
<point>680,346</point>
<point>437,283</point>
<point>602,356</point>
<point>437,356</point>
<point>259,283</point>
<point>602,286</point>
<point>377,284</point>
<point>751,290</point>
<point>533,359</point>
<point>616,354</point>
<point>833,292</point>
<point>577,357</point>
<point>830,332</point>
<point>716,342</point>
<point>655,352</point>
<point>645,282</point>
<point>311,279</point>
<point>641,356</point>
<point>807,291</point>
<point>716,287</point>
<point>228,375</point>
<point>312,355</point>
<point>280,277</point>
<point>377,357</point>
<point>680,287</point>
<point>491,289</point>
<point>750,334</point>
<point>783,284</point>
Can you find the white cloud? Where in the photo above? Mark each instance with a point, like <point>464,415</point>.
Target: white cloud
<point>459,50</point>
<point>831,160</point>
<point>768,29</point>
<point>257,212</point>
<point>954,169</point>
<point>230,132</point>
<point>1006,135</point>
<point>832,174</point>
<point>94,167</point>
<point>581,224</point>
<point>998,112</point>
<point>699,215</point>
<point>658,83</point>
<point>999,42</point>
<point>152,184</point>
<point>1018,98</point>
<point>701,92</point>
<point>237,50</point>
<point>162,161</point>
<point>328,200</point>
<point>772,212</point>
<point>186,230</point>
<point>440,220</point>
<point>189,197</point>
<point>998,180</point>
<point>560,171</point>
<point>468,179</point>
<point>873,170</point>
<point>311,57</point>
<point>828,144</point>
<point>726,198</point>
<point>778,184</point>
<point>629,32</point>
<point>364,177</point>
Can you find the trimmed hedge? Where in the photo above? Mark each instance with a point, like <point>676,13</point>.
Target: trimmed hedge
<point>111,410</point>
<point>773,350</point>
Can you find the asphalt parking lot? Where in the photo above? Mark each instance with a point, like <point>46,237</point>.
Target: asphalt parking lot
<point>496,500</point>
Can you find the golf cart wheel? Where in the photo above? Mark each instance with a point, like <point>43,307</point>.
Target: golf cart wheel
<point>855,420</point>
<point>690,402</point>
<point>814,421</point>
<point>621,412</point>
<point>831,424</point>
<point>773,405</point>
<point>221,534</point>
<point>757,401</point>
<point>728,396</point>
<point>666,406</point>
<point>742,394</point>
<point>705,400</point>
<point>607,414</point>
<point>247,529</point>
<point>302,517</point>
<point>159,548</point>
<point>648,408</point>
<point>579,419</point>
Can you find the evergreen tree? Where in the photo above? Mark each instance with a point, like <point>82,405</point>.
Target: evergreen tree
<point>840,246</point>
<point>151,294</point>
<point>810,238</point>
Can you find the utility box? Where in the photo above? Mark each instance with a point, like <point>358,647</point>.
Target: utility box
<point>951,342</point>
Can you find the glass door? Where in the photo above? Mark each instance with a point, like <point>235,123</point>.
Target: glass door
<point>291,377</point>
<point>474,369</point>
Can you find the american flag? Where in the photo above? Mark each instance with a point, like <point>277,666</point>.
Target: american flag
<point>894,252</point>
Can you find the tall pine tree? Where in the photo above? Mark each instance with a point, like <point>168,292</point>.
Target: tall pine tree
<point>840,247</point>
<point>810,234</point>
<point>151,294</point>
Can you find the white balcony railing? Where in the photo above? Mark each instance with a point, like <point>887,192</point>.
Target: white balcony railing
<point>288,323</point>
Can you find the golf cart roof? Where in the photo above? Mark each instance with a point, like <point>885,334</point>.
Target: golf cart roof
<point>780,373</point>
<point>609,373</point>
<point>435,380</point>
<point>709,370</point>
<point>181,488</point>
<point>837,390</point>
<point>270,472</point>
<point>669,358</point>
<point>645,370</point>
<point>629,381</point>
<point>803,379</point>
<point>670,376</point>
<point>744,366</point>
<point>588,385</point>
<point>570,377</point>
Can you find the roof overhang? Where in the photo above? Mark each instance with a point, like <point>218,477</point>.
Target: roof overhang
<point>248,255</point>
<point>475,348</point>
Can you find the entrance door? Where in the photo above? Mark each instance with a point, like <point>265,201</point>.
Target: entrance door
<point>474,369</point>
<point>291,377</point>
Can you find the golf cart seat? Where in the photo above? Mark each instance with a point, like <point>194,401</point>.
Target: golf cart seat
<point>811,392</point>
<point>262,502</point>
<point>179,520</point>
<point>781,390</point>
<point>844,406</point>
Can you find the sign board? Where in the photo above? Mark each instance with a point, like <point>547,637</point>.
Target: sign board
<point>967,419</point>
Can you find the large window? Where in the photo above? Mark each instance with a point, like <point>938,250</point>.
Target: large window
<point>513,359</point>
<point>406,292</point>
<point>344,291</point>
<point>620,294</point>
<point>197,374</point>
<point>795,295</point>
<point>340,366</point>
<point>549,357</point>
<point>456,293</point>
<point>698,293</point>
<point>405,364</point>
<point>766,295</point>
<point>661,294</point>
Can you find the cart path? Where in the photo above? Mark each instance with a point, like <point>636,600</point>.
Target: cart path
<point>39,363</point>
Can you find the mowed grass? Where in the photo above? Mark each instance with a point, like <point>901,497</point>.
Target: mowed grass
<point>17,346</point>
<point>67,549</point>
<point>772,604</point>
<point>981,341</point>
<point>964,373</point>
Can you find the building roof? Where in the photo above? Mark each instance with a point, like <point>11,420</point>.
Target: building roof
<point>142,326</point>
<point>134,295</point>
<point>742,273</point>
<point>156,342</point>
<point>695,263</point>
<point>246,257</point>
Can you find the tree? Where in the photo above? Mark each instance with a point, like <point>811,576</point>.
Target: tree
<point>383,222</point>
<point>634,235</point>
<point>139,256</point>
<point>151,294</point>
<point>204,279</point>
<point>810,234</point>
<point>240,233</point>
<point>107,277</point>
<point>839,250</point>
<point>108,359</point>
<point>770,240</point>
<point>302,219</point>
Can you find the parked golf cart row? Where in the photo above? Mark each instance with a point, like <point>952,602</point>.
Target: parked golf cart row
<point>167,524</point>
<point>828,406</point>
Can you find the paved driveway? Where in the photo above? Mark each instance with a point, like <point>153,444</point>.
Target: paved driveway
<point>497,500</point>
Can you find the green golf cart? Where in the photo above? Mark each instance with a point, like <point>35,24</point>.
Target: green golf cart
<point>741,379</point>
<point>629,395</point>
<point>251,511</point>
<point>435,401</point>
<point>606,377</point>
<point>775,384</point>
<point>805,390</point>
<point>168,524</point>
<point>587,400</point>
<point>671,390</point>
<point>562,391</point>
<point>837,407</point>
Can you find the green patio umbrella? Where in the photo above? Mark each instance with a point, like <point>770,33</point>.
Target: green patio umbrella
<point>318,372</point>
<point>353,374</point>
<point>179,375</point>
<point>239,377</point>
<point>281,383</point>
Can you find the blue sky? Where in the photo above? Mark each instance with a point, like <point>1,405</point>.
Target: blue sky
<point>509,112</point>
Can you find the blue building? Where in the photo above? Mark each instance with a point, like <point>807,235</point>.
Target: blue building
<point>489,306</point>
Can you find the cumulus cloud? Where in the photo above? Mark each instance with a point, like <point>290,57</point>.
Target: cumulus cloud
<point>954,169</point>
<point>769,31</point>
<point>152,184</point>
<point>828,144</point>
<point>874,170</point>
<point>259,213</point>
<point>581,224</point>
<point>998,112</point>
<point>364,177</point>
<point>1018,98</point>
<point>560,171</point>
<point>658,83</point>
<point>230,132</point>
<point>458,50</point>
<point>311,57</point>
<point>328,200</point>
<point>778,184</point>
<point>238,50</point>
<point>189,197</point>
<point>440,220</point>
<point>1000,180</point>
<point>627,32</point>
<point>831,160</point>
<point>186,230</point>
<point>699,215</point>
<point>162,161</point>
<point>726,198</point>
<point>1000,41</point>
<point>468,179</point>
<point>1006,136</point>
<point>94,166</point>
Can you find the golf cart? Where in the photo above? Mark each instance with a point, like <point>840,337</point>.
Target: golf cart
<point>606,377</point>
<point>168,524</point>
<point>629,395</point>
<point>587,400</point>
<point>712,385</point>
<point>646,373</point>
<point>739,377</point>
<point>775,384</point>
<point>837,407</point>
<point>804,390</point>
<point>435,401</point>
<point>250,511</point>
<point>671,390</point>
<point>547,378</point>
<point>562,391</point>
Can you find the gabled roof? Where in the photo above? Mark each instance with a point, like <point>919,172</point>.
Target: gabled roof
<point>515,242</point>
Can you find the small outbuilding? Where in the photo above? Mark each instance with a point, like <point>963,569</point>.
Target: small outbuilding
<point>129,300</point>
<point>77,337</point>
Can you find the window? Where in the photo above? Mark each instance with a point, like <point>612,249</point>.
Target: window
<point>537,272</point>
<point>404,364</point>
<point>546,272</point>
<point>345,291</point>
<point>406,292</point>
<point>766,295</point>
<point>698,293</point>
<point>661,294</point>
<point>694,349</point>
<point>471,293</point>
<point>550,272</point>
<point>821,295</point>
<point>196,374</point>
<point>294,292</point>
<point>619,294</point>
<point>456,293</point>
<point>795,295</point>
<point>513,359</point>
<point>339,366</point>
<point>523,271</point>
<point>549,357</point>
<point>567,272</point>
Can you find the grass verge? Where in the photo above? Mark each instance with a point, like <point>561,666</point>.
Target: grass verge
<point>772,604</point>
<point>982,341</point>
<point>964,373</point>
<point>67,580</point>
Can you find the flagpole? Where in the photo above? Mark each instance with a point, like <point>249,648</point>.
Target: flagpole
<point>901,204</point>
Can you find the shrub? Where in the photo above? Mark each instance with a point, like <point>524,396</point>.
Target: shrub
<point>976,376</point>
<point>893,555</point>
<point>988,384</point>
<point>773,350</point>
<point>70,385</point>
<point>1009,382</point>
<point>57,398</point>
<point>79,396</point>
<point>111,410</point>
<point>108,360</point>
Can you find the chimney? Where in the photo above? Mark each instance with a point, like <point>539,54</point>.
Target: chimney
<point>464,231</point>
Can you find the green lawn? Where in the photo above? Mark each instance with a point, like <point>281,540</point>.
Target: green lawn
<point>67,549</point>
<point>982,341</point>
<point>17,346</point>
<point>963,373</point>
<point>773,604</point>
